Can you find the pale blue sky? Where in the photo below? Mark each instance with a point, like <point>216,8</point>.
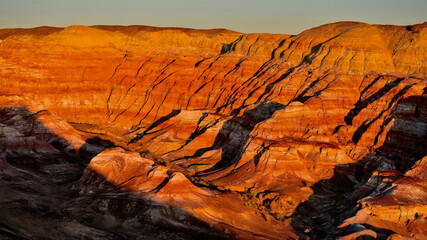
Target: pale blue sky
<point>274,16</point>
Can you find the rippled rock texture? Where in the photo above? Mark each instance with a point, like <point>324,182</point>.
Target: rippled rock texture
<point>164,133</point>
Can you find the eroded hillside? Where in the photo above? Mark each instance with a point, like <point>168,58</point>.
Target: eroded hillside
<point>265,136</point>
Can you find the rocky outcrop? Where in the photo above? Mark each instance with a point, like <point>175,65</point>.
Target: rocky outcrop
<point>382,195</point>
<point>397,202</point>
<point>184,200</point>
<point>45,194</point>
<point>315,134</point>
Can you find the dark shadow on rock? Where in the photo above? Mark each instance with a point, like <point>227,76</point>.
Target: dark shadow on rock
<point>92,147</point>
<point>150,220</point>
<point>334,200</point>
<point>234,135</point>
<point>27,143</point>
<point>41,195</point>
<point>230,47</point>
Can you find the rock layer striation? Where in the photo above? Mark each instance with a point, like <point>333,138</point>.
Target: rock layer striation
<point>267,136</point>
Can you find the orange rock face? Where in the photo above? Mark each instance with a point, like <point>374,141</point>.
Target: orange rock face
<point>322,134</point>
<point>161,185</point>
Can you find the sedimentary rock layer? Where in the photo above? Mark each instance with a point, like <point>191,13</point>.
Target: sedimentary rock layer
<point>314,134</point>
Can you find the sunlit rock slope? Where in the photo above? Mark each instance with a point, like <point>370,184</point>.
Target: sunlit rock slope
<point>216,133</point>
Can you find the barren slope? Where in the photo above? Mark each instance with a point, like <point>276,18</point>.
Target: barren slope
<point>255,135</point>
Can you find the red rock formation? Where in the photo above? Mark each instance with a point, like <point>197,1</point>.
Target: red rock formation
<point>288,127</point>
<point>161,185</point>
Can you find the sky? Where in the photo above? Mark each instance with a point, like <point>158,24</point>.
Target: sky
<point>247,16</point>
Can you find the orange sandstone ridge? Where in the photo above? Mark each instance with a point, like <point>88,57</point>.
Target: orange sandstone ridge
<point>183,133</point>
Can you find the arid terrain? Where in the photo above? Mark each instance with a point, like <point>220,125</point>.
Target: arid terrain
<point>137,132</point>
